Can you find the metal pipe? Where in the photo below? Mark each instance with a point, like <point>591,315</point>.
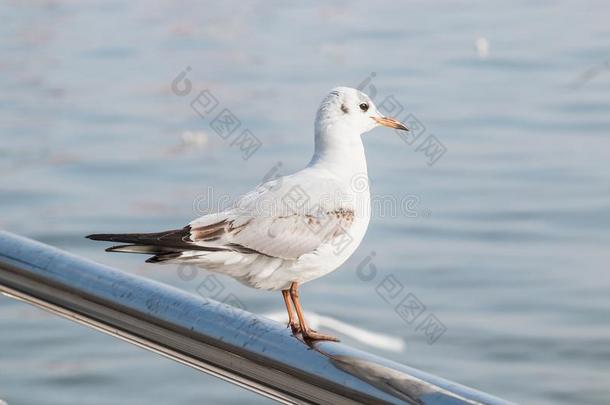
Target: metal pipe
<point>248,350</point>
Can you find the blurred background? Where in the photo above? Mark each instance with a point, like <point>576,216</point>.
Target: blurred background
<point>507,250</point>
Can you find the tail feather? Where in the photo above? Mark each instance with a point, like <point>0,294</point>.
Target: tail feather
<point>164,246</point>
<point>173,238</point>
<point>164,257</point>
<point>144,249</point>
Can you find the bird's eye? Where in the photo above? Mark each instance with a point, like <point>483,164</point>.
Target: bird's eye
<point>364,107</point>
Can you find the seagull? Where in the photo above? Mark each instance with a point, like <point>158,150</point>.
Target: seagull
<point>290,229</point>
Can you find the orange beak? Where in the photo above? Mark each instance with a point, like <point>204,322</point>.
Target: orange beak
<point>391,122</point>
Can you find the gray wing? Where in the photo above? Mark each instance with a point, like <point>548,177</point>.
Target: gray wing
<point>285,236</point>
<point>270,221</point>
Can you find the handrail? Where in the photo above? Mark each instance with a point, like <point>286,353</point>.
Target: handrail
<point>242,348</point>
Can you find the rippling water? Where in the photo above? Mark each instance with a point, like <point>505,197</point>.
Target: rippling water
<point>506,241</point>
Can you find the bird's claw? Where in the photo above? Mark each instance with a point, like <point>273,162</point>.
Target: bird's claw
<point>312,335</point>
<point>295,327</point>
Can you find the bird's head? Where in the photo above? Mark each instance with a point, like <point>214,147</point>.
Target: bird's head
<point>352,111</point>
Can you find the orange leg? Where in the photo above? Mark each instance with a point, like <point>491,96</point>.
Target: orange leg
<point>292,321</point>
<point>308,334</point>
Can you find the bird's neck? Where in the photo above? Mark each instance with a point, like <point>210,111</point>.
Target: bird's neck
<point>339,151</point>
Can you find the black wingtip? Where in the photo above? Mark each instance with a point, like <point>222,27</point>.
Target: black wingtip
<point>115,237</point>
<point>163,257</point>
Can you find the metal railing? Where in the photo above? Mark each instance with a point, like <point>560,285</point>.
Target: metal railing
<point>248,350</point>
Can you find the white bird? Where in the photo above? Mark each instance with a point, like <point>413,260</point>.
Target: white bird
<point>291,229</point>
